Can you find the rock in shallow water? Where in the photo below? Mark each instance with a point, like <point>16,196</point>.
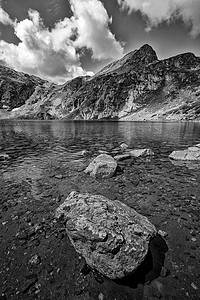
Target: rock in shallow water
<point>192,153</point>
<point>141,152</point>
<point>103,166</point>
<point>122,157</point>
<point>112,237</point>
<point>123,146</point>
<point>4,156</point>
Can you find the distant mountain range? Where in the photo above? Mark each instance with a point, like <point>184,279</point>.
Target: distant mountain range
<point>137,87</point>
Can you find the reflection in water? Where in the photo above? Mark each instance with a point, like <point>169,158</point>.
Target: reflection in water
<point>33,145</point>
<point>177,134</point>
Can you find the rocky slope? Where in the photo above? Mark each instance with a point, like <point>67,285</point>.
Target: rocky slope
<point>16,88</point>
<point>136,87</point>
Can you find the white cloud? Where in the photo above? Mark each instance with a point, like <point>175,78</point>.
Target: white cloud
<point>52,54</point>
<point>92,22</point>
<point>40,52</point>
<point>4,17</point>
<point>158,11</point>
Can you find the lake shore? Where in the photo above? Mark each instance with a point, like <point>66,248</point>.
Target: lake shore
<point>38,260</point>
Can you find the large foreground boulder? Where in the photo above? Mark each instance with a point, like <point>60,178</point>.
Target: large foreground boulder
<point>112,237</point>
<point>192,153</point>
<point>103,166</point>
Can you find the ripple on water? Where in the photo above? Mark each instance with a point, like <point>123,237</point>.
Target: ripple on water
<point>34,164</point>
<point>34,146</point>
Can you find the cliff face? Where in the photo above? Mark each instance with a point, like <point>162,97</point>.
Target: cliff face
<point>16,87</point>
<point>136,87</point>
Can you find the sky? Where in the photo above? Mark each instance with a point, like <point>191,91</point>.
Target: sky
<point>61,39</point>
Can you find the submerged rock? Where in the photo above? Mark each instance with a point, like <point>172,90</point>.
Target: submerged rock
<point>141,152</point>
<point>4,156</point>
<point>122,156</point>
<point>103,166</point>
<point>123,146</point>
<point>112,237</point>
<point>192,153</point>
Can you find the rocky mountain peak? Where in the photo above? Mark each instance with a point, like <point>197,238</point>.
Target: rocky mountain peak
<point>148,51</point>
<point>134,59</point>
<point>144,56</point>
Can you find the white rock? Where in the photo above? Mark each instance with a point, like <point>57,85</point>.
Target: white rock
<point>122,156</point>
<point>123,146</point>
<point>103,151</point>
<point>101,296</point>
<point>162,233</point>
<point>4,156</point>
<point>103,166</point>
<point>193,148</point>
<point>141,152</point>
<point>178,155</point>
<point>192,153</point>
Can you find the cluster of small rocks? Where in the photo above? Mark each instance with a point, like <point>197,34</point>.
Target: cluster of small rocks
<point>104,165</point>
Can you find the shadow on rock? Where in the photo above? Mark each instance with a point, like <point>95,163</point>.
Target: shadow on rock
<point>150,267</point>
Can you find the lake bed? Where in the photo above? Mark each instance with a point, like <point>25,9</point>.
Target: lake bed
<point>46,162</point>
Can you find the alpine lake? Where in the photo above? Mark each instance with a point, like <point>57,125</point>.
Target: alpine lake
<point>45,160</point>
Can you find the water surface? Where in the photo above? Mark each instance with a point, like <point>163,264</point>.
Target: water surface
<point>34,145</point>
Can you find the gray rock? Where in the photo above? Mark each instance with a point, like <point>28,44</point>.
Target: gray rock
<point>103,166</point>
<point>4,156</point>
<point>123,146</point>
<point>112,237</point>
<point>192,153</point>
<point>81,153</point>
<point>194,148</point>
<point>103,152</point>
<point>122,156</point>
<point>35,259</point>
<point>178,155</point>
<point>162,233</point>
<point>141,152</point>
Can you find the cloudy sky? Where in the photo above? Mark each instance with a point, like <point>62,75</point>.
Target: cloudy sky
<point>61,39</point>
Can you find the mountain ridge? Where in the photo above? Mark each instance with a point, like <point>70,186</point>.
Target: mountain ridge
<point>16,87</point>
<point>146,53</point>
<point>138,86</point>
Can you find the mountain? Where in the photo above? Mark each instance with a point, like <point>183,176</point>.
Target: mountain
<point>16,87</point>
<point>137,87</point>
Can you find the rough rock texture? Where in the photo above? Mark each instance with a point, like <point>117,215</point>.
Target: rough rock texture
<point>103,166</point>
<point>136,87</point>
<point>192,153</point>
<point>112,237</point>
<point>16,88</point>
